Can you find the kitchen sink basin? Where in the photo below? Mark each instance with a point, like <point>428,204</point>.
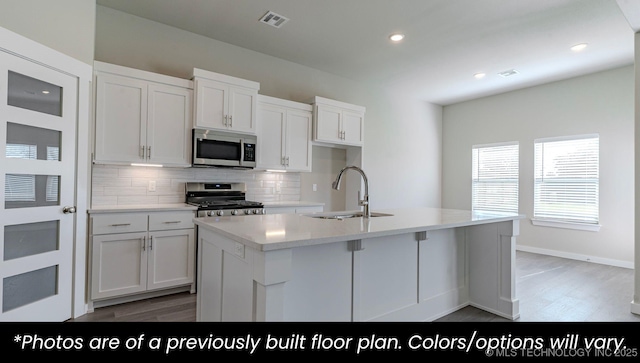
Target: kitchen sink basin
<point>345,215</point>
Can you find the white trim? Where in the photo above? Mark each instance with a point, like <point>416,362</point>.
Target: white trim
<point>26,48</point>
<point>204,74</point>
<point>40,54</point>
<point>495,144</point>
<point>284,103</point>
<point>340,104</point>
<point>118,70</point>
<point>564,224</point>
<point>576,256</point>
<point>566,138</point>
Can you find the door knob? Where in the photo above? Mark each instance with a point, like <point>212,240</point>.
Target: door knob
<point>67,210</point>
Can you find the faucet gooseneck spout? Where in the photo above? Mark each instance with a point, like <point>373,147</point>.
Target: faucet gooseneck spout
<point>365,200</point>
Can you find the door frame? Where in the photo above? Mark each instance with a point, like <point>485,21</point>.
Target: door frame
<point>30,50</point>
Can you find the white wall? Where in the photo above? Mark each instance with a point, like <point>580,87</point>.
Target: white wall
<point>64,25</point>
<point>402,153</point>
<point>600,103</point>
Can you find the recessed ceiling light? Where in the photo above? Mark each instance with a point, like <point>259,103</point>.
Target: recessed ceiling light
<point>579,47</point>
<point>479,75</point>
<point>45,92</point>
<point>396,37</point>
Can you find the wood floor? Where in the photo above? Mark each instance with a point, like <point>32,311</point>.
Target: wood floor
<point>550,289</point>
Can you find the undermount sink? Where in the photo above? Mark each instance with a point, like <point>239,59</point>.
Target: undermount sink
<point>345,215</point>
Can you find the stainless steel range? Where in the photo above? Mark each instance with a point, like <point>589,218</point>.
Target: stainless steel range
<point>221,199</point>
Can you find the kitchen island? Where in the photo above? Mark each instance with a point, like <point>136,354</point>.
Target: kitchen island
<point>409,265</point>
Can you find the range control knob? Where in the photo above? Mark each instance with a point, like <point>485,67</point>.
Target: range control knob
<point>208,213</point>
<point>234,212</point>
<point>220,213</point>
<point>247,211</point>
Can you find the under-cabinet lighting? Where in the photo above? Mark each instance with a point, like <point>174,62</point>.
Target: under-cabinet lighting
<point>276,171</point>
<point>151,165</point>
<point>45,92</point>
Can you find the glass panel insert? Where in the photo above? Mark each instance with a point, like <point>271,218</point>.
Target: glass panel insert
<point>24,190</point>
<point>23,289</point>
<point>29,142</point>
<point>34,94</point>
<point>28,239</point>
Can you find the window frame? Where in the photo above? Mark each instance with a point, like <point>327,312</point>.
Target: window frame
<point>517,179</point>
<point>560,222</point>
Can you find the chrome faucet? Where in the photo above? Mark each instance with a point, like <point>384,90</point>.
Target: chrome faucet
<point>365,200</point>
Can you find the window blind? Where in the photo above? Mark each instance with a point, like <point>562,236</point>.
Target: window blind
<point>567,179</point>
<point>495,178</point>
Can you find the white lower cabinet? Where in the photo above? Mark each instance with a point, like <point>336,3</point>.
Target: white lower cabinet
<point>134,253</point>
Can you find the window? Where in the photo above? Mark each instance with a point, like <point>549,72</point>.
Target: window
<point>495,178</point>
<point>567,182</point>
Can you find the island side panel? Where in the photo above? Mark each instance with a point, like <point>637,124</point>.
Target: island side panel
<point>225,283</point>
<point>410,277</point>
<point>320,287</point>
<point>385,277</point>
<point>491,260</point>
<point>443,273</point>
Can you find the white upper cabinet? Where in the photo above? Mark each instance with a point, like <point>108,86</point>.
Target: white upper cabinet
<point>225,103</point>
<point>338,122</point>
<point>141,117</point>
<point>284,135</point>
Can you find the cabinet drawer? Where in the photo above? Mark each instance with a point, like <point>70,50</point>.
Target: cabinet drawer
<point>119,223</point>
<point>170,220</point>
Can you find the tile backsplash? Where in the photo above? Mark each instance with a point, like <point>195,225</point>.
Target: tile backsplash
<point>120,185</point>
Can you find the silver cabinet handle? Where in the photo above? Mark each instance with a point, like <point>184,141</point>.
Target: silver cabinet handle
<point>120,224</point>
<point>226,120</point>
<point>148,152</point>
<point>68,210</point>
<point>170,222</point>
<point>287,161</point>
<point>231,121</point>
<point>151,242</point>
<point>142,151</point>
<point>144,242</point>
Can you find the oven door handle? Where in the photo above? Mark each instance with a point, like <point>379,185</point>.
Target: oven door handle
<point>241,152</point>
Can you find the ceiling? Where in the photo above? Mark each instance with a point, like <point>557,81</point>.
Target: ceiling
<point>446,43</point>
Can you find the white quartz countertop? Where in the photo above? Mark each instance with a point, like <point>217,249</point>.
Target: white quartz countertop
<point>292,204</point>
<point>280,231</point>
<point>143,208</point>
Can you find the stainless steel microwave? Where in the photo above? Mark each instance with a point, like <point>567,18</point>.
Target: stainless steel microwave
<point>223,149</point>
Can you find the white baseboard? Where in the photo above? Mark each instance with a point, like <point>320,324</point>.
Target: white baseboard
<point>576,256</point>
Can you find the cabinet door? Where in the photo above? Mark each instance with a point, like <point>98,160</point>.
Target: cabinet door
<point>119,264</point>
<point>352,127</point>
<point>121,112</point>
<point>171,258</point>
<point>271,133</point>
<point>298,141</point>
<point>212,99</point>
<point>327,126</point>
<point>242,109</point>
<point>169,125</point>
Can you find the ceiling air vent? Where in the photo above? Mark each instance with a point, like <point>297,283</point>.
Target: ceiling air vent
<point>274,19</point>
<point>509,73</point>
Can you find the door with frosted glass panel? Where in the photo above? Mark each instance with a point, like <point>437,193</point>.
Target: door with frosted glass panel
<point>38,113</point>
